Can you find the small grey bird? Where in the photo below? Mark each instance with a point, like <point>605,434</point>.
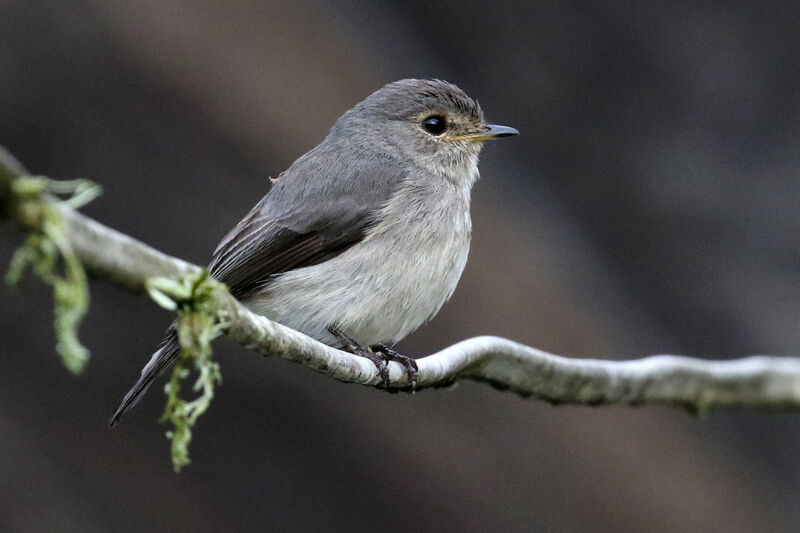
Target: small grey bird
<point>364,238</point>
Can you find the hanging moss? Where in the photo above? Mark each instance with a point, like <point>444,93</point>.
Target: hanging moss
<point>199,322</point>
<point>47,252</point>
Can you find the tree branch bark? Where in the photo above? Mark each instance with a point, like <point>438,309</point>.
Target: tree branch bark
<point>697,384</point>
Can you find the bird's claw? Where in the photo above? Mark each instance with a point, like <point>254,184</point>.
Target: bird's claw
<point>383,371</point>
<point>380,355</point>
<point>408,363</point>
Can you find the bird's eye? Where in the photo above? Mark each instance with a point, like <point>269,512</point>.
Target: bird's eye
<point>435,125</point>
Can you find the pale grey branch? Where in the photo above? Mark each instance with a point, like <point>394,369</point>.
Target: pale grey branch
<point>109,254</point>
<point>694,383</point>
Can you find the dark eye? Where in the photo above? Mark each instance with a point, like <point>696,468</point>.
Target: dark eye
<point>435,125</point>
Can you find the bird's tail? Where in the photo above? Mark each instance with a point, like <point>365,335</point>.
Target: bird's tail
<point>161,360</point>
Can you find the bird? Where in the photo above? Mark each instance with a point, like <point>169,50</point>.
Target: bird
<point>364,238</point>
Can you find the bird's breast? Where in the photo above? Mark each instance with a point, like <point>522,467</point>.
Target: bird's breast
<point>383,288</point>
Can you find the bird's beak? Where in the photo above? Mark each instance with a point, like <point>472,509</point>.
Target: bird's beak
<point>492,131</point>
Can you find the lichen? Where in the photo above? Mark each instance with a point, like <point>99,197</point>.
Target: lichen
<point>199,322</point>
<point>48,253</point>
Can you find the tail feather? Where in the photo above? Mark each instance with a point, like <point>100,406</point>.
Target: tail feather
<point>161,360</point>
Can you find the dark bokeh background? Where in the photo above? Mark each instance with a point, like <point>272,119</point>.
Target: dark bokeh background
<point>650,206</point>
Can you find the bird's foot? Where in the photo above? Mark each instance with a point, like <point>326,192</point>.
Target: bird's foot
<point>351,346</point>
<point>408,363</point>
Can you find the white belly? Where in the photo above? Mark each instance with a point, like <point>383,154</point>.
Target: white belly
<point>386,286</point>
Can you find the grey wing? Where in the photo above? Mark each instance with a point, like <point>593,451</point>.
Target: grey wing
<point>312,214</point>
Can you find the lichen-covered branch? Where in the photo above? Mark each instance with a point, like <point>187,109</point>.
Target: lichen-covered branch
<point>697,384</point>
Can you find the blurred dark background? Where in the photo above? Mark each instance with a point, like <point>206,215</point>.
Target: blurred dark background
<point>649,206</point>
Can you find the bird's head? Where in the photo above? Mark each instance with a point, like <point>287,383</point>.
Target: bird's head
<point>427,123</point>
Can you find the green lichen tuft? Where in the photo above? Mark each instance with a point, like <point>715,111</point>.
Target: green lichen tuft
<point>199,322</point>
<point>48,253</point>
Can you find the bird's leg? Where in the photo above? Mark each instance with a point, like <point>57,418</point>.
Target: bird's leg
<point>406,362</point>
<point>351,346</point>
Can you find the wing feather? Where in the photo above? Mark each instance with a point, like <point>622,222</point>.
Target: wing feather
<point>313,213</point>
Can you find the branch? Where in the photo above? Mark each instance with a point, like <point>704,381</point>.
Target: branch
<point>699,385</point>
